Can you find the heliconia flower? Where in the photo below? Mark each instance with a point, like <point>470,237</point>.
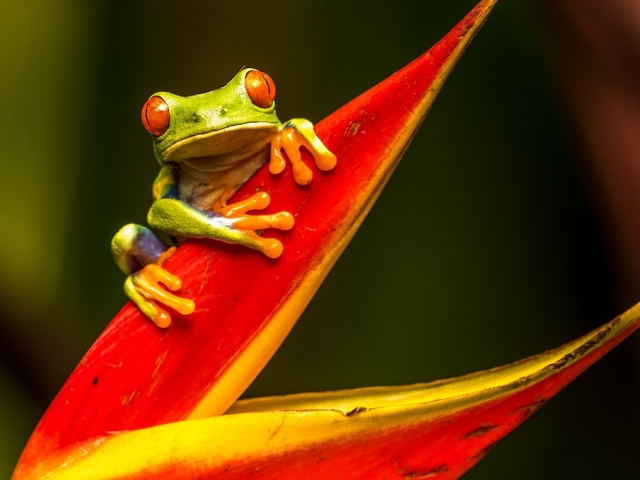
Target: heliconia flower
<point>147,402</point>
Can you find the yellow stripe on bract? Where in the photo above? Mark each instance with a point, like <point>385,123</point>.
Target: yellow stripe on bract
<point>248,362</point>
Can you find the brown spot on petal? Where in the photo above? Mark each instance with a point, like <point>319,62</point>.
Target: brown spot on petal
<point>356,410</point>
<point>432,473</point>
<point>352,129</point>
<point>584,348</point>
<point>483,429</point>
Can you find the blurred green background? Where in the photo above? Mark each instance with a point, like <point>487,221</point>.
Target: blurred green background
<point>496,253</point>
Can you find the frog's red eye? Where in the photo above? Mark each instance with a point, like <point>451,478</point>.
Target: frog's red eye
<point>260,88</point>
<point>155,116</point>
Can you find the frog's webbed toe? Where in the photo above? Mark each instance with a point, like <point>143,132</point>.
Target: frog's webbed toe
<point>297,133</point>
<point>250,224</point>
<point>143,287</point>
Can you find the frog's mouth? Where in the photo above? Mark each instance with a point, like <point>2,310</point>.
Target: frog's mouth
<point>220,149</point>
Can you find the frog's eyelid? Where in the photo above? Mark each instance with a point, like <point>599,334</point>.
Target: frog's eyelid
<point>268,84</point>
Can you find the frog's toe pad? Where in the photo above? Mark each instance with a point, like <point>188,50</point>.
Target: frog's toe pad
<point>272,247</point>
<point>258,201</point>
<point>299,133</point>
<point>289,141</point>
<point>144,289</point>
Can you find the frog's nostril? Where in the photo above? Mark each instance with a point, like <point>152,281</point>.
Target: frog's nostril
<point>155,116</point>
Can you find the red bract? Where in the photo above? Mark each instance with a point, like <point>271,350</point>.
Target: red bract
<point>137,376</point>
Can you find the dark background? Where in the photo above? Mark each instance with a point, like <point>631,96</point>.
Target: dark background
<point>491,242</point>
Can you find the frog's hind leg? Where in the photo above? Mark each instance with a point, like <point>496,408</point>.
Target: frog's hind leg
<point>140,254</point>
<point>240,220</point>
<point>134,247</point>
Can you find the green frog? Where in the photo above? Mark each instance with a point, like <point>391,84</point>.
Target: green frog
<point>208,145</point>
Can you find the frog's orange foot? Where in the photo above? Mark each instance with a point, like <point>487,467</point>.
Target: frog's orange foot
<point>250,224</point>
<point>144,289</point>
<point>295,134</point>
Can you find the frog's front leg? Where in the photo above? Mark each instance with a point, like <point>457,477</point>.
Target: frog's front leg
<point>140,254</point>
<point>237,214</point>
<point>294,134</point>
<point>228,223</point>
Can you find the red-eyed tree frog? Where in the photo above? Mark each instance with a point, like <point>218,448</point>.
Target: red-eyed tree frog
<point>208,145</point>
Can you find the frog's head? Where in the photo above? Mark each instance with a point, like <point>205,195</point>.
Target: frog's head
<point>221,126</point>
